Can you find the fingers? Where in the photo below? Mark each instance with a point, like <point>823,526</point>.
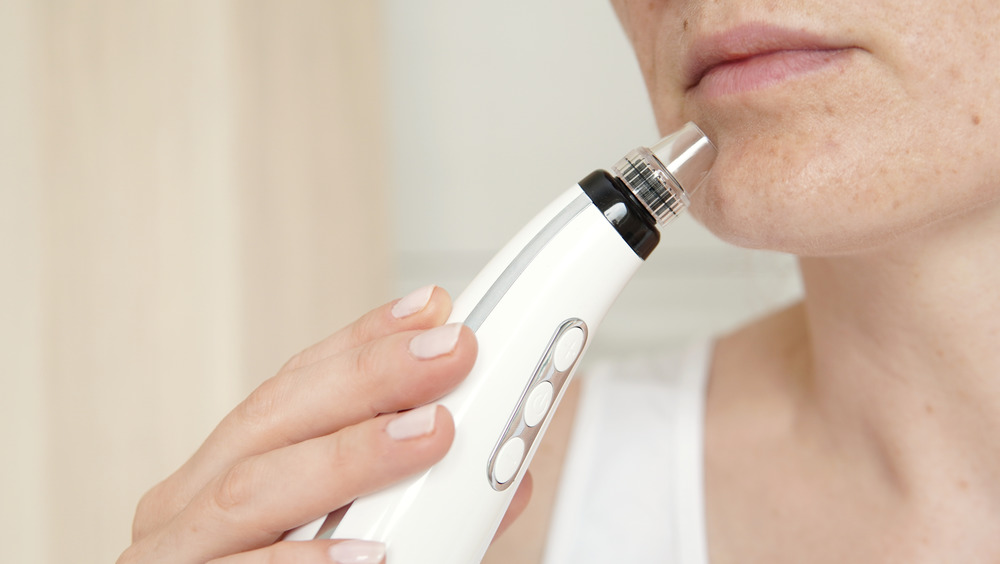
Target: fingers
<point>305,442</point>
<point>252,504</point>
<point>312,552</point>
<point>421,309</point>
<point>393,373</point>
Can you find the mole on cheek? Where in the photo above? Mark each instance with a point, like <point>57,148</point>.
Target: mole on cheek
<point>976,120</point>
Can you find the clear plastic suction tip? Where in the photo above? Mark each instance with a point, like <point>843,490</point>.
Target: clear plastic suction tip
<point>663,176</point>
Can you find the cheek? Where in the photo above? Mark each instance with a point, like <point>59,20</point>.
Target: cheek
<point>792,193</point>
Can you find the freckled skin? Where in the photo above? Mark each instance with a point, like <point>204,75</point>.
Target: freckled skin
<point>848,158</point>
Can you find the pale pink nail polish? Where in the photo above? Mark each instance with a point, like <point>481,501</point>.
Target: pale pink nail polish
<point>413,302</point>
<point>357,552</point>
<point>436,342</point>
<point>414,423</point>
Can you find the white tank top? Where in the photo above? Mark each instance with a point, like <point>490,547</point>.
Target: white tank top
<point>631,489</point>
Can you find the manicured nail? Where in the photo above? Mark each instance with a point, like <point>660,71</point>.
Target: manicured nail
<point>436,342</point>
<point>357,552</point>
<point>414,423</point>
<point>413,302</point>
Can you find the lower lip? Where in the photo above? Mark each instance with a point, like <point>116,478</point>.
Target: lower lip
<point>762,71</point>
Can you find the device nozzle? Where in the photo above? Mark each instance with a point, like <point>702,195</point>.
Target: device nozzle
<point>688,155</point>
<point>663,176</point>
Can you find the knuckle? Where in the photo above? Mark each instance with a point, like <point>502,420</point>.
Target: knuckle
<point>368,382</point>
<point>237,486</point>
<point>297,361</point>
<point>262,407</point>
<point>130,556</point>
<point>144,512</point>
<point>140,552</point>
<point>361,331</point>
<point>338,449</point>
<point>343,457</point>
<point>153,508</point>
<point>367,360</point>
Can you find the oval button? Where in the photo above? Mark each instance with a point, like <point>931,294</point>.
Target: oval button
<point>508,460</point>
<point>567,349</point>
<point>538,404</point>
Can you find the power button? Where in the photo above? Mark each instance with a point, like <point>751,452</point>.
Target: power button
<point>538,404</point>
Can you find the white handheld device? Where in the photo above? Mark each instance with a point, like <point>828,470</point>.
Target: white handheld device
<point>534,308</point>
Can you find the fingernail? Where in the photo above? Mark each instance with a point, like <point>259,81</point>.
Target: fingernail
<point>413,302</point>
<point>436,342</point>
<point>414,423</point>
<point>357,552</point>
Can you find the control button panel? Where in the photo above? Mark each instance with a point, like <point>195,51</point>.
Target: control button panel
<point>554,368</point>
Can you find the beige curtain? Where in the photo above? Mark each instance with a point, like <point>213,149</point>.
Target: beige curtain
<point>190,191</point>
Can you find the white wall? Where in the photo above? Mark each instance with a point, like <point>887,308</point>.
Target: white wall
<point>496,107</point>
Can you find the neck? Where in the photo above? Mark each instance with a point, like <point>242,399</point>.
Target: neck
<point>905,346</point>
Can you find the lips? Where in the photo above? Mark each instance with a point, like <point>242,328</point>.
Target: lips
<point>754,56</point>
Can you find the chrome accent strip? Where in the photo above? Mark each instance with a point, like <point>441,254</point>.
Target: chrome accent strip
<point>545,371</point>
<point>517,266</point>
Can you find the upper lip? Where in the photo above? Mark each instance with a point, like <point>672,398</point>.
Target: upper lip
<point>746,41</point>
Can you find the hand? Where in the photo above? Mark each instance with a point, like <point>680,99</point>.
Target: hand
<point>320,433</point>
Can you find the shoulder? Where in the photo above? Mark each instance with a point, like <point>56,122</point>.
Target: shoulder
<point>756,369</point>
<point>757,376</point>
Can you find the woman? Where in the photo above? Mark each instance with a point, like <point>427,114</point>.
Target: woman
<point>857,426</point>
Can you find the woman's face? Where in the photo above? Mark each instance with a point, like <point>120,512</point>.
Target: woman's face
<point>841,124</point>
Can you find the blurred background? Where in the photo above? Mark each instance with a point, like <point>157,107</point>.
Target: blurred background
<point>193,190</point>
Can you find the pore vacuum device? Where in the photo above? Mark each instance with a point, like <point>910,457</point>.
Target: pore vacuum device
<point>534,308</point>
